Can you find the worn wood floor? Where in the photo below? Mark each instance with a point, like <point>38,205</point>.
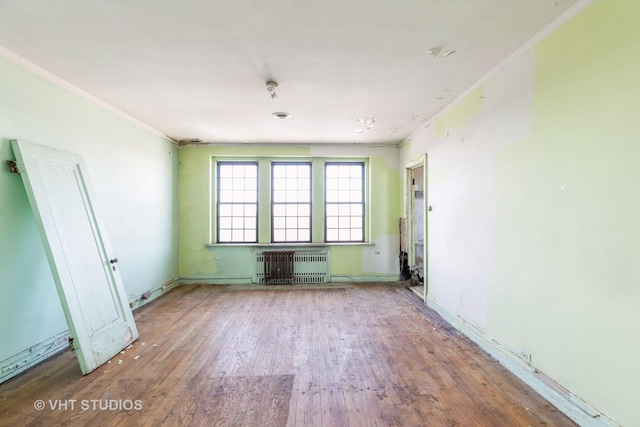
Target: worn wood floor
<point>340,355</point>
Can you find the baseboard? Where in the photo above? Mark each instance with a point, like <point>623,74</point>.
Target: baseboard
<point>24,360</point>
<point>216,280</point>
<point>366,279</point>
<point>564,400</point>
<point>249,280</point>
<point>156,292</point>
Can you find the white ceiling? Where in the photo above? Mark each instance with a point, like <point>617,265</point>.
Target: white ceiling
<point>197,69</point>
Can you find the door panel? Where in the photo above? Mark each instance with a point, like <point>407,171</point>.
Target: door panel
<point>89,285</point>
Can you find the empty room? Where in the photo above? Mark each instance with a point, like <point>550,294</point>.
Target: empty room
<point>304,213</point>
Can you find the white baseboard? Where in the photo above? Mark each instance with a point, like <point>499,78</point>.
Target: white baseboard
<point>155,293</point>
<point>31,356</point>
<point>366,279</point>
<point>249,280</point>
<point>564,400</point>
<point>216,280</point>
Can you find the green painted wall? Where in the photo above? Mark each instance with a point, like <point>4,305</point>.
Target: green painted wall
<point>134,175</point>
<point>225,263</point>
<point>541,182</point>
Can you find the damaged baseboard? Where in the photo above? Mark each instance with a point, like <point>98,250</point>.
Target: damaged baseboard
<point>151,294</point>
<point>33,355</point>
<point>569,404</point>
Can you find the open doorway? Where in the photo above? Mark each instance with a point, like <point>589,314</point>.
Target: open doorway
<point>415,227</point>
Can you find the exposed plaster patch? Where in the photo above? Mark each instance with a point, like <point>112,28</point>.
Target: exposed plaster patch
<point>383,256</point>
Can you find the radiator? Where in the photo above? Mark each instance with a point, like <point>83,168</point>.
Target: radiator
<point>278,267</point>
<point>308,267</point>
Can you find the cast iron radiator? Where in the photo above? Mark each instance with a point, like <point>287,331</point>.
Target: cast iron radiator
<point>278,267</point>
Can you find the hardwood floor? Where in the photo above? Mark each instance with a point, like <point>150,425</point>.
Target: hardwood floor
<point>336,355</point>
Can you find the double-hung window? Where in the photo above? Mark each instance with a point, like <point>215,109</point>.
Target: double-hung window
<point>237,202</point>
<point>291,202</point>
<point>344,201</point>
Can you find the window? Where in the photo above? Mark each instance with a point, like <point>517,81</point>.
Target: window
<point>344,202</point>
<point>291,202</point>
<point>237,202</point>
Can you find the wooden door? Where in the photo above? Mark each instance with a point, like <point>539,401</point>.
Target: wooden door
<point>84,268</point>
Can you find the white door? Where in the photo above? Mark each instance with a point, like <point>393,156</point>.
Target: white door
<point>83,265</point>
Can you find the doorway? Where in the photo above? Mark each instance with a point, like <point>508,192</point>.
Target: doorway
<point>416,225</point>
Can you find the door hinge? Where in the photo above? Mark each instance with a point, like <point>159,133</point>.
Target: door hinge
<point>13,166</point>
<point>70,340</point>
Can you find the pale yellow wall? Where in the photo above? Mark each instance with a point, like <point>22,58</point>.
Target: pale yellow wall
<point>534,178</point>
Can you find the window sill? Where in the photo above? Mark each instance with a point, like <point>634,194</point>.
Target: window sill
<point>286,245</point>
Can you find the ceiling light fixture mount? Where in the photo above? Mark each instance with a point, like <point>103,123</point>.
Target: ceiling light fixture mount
<point>440,52</point>
<point>281,115</point>
<point>271,88</point>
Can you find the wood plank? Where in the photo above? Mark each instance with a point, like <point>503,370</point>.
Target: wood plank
<point>356,355</point>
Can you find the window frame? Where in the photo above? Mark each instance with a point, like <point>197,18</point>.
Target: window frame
<point>272,201</point>
<point>363,201</point>
<point>218,203</point>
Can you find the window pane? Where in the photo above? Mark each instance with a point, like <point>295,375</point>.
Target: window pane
<point>304,235</point>
<point>224,210</point>
<point>279,222</point>
<point>292,197</point>
<point>251,196</point>
<point>304,210</point>
<point>226,196</point>
<point>279,235</point>
<point>279,184</point>
<point>332,222</point>
<point>292,222</point>
<point>279,196</point>
<point>279,210</point>
<point>251,210</point>
<point>292,210</point>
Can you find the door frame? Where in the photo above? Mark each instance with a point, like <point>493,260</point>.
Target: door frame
<point>410,167</point>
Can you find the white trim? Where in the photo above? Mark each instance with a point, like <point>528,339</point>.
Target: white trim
<point>416,162</point>
<point>530,44</point>
<point>14,57</point>
<point>565,401</point>
<point>377,278</point>
<point>138,301</point>
<point>33,355</point>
